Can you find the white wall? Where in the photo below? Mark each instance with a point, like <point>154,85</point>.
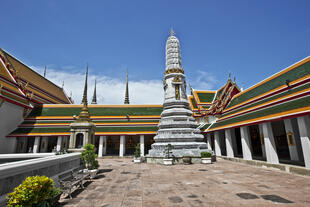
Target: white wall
<point>11,116</point>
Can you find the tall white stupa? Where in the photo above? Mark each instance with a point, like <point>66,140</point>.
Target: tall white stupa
<point>177,126</point>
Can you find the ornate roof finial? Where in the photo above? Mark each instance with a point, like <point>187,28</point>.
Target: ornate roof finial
<point>234,79</point>
<point>94,101</point>
<point>84,100</point>
<point>192,92</point>
<point>44,74</point>
<point>84,115</point>
<point>63,84</point>
<point>126,92</point>
<point>171,32</point>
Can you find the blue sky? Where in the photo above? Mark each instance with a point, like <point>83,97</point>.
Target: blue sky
<point>250,39</point>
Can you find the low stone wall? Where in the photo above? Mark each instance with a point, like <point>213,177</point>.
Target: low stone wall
<point>54,166</point>
<point>283,167</point>
<point>176,160</point>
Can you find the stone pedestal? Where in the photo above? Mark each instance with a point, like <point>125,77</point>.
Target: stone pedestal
<point>82,133</point>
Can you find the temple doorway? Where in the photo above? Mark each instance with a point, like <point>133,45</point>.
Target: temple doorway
<point>280,138</point>
<point>79,140</point>
<point>131,143</point>
<point>113,145</point>
<point>255,141</point>
<point>238,142</point>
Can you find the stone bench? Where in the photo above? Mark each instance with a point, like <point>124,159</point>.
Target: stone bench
<point>73,183</point>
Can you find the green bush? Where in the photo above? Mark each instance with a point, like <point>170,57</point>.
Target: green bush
<point>54,192</point>
<point>89,157</point>
<point>205,154</point>
<point>33,190</point>
<point>138,151</point>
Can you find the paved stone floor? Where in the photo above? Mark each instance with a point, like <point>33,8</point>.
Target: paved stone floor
<point>224,183</point>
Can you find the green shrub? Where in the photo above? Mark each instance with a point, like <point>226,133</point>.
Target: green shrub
<point>138,151</point>
<point>89,157</point>
<point>54,192</point>
<point>33,190</point>
<point>205,154</point>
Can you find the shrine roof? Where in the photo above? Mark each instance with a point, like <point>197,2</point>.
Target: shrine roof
<point>44,91</point>
<point>204,97</point>
<point>9,90</point>
<point>285,94</point>
<point>55,119</point>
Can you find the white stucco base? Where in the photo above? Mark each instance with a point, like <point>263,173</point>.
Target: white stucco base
<point>11,116</point>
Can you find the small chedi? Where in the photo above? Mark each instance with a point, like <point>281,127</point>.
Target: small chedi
<point>177,126</point>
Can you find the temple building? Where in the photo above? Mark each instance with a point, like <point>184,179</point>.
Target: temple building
<point>269,121</point>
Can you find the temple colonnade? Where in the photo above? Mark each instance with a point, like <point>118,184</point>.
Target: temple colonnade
<point>286,141</point>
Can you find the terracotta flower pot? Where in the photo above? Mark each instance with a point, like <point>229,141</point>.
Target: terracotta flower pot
<point>187,160</point>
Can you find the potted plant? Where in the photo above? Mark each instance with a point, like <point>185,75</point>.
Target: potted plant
<point>37,191</point>
<point>187,159</point>
<point>206,157</point>
<point>168,155</point>
<point>89,158</point>
<point>137,154</point>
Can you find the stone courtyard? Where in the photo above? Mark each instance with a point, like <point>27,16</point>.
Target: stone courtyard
<point>122,183</point>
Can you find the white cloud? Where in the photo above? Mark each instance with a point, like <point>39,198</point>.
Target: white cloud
<point>109,90</point>
<point>205,81</point>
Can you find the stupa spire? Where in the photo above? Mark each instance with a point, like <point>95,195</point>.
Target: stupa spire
<point>173,52</point>
<point>177,127</point>
<point>171,32</point>
<point>84,115</point>
<point>127,91</point>
<point>94,101</point>
<point>84,99</point>
<point>44,74</point>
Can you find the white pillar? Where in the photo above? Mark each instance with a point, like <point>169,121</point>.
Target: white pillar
<point>100,150</point>
<point>270,145</point>
<point>36,145</point>
<point>122,146</point>
<point>142,145</point>
<point>209,141</point>
<point>229,144</point>
<point>217,147</point>
<point>59,142</point>
<point>304,131</point>
<point>246,143</point>
<point>261,137</point>
<point>104,145</point>
<point>291,139</point>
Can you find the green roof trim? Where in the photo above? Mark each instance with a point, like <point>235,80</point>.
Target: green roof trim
<point>298,103</point>
<point>98,111</point>
<point>291,75</point>
<point>194,103</point>
<point>205,127</point>
<point>127,129</point>
<point>98,129</point>
<point>206,97</point>
<point>289,91</point>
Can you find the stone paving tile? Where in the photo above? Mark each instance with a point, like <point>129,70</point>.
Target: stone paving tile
<point>122,183</point>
